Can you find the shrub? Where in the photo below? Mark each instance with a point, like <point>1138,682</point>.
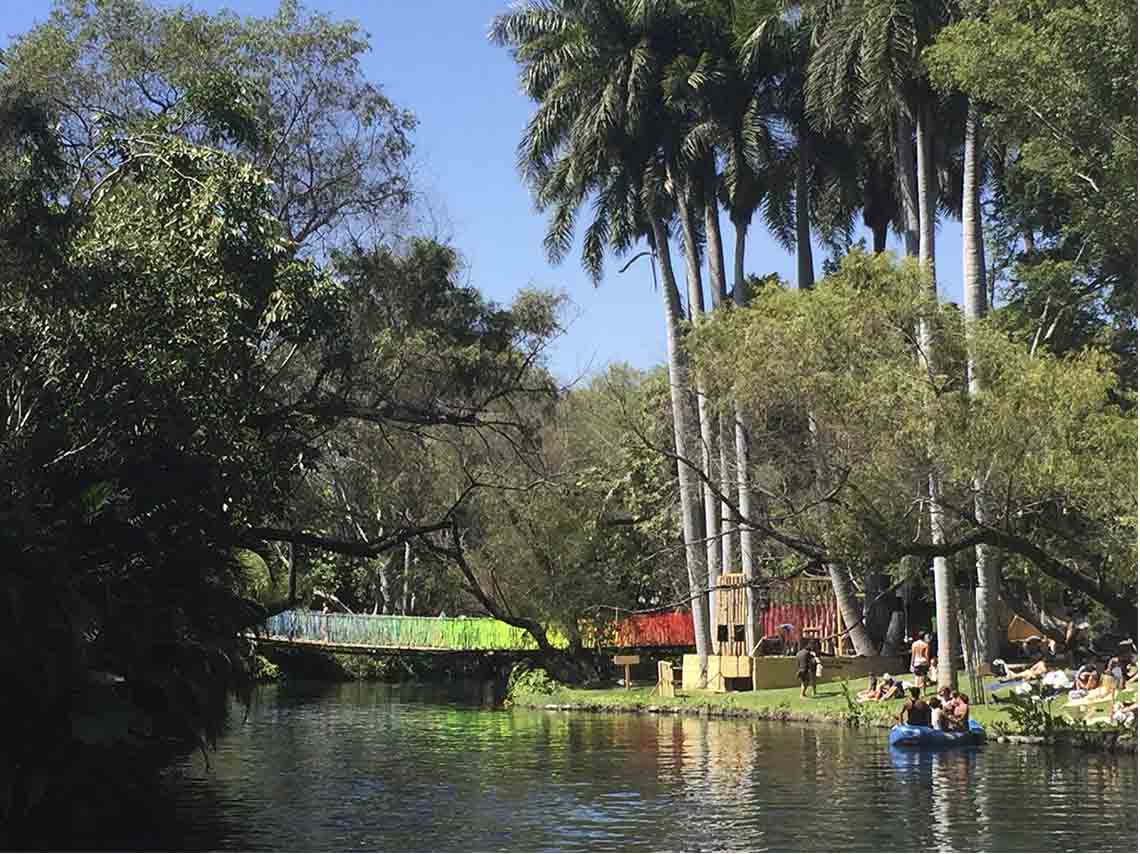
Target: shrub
<point>527,680</point>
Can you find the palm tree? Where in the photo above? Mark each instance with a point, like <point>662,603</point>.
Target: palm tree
<point>867,69</point>
<point>594,69</point>
<point>975,306</point>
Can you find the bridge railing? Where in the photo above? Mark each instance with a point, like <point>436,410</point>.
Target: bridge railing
<point>395,632</point>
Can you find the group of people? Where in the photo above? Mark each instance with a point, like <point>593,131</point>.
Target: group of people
<point>949,711</point>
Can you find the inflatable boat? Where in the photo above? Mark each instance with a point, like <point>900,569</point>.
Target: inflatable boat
<point>904,735</point>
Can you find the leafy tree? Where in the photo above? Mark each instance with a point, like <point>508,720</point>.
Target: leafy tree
<point>1058,85</point>
<point>288,89</point>
<point>1039,427</point>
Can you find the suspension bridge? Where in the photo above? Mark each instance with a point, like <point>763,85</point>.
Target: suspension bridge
<point>379,633</point>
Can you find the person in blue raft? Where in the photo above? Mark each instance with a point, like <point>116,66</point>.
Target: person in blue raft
<point>916,727</point>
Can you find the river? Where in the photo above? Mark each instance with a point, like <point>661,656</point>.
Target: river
<point>366,767</point>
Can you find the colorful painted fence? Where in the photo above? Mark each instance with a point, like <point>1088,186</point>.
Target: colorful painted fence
<point>392,632</point>
<point>668,629</point>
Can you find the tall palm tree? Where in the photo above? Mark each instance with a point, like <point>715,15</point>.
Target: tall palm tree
<point>594,69</point>
<point>975,305</point>
<point>867,69</point>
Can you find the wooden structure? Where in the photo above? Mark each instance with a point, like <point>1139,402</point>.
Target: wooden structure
<point>730,668</point>
<point>730,634</point>
<point>666,686</point>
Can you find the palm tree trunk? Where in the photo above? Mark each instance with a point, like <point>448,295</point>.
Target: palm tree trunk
<point>879,237</point>
<point>944,593</point>
<point>718,286</point>
<point>849,609</point>
<point>805,269</point>
<point>907,175</point>
<point>974,309</point>
<point>686,478</point>
<point>740,297</point>
<point>708,439</point>
<point>927,210</point>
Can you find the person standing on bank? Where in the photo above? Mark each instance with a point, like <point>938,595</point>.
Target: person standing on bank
<point>805,667</point>
<point>920,661</point>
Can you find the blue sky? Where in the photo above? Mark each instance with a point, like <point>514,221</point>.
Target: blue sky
<point>433,57</point>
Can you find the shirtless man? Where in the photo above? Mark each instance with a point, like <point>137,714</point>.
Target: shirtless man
<point>920,660</point>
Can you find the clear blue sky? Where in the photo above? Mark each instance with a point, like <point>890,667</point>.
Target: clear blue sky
<point>433,57</point>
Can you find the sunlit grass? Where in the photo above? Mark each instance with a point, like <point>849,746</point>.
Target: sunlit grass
<point>828,703</point>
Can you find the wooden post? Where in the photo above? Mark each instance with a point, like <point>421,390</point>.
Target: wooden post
<point>627,660</point>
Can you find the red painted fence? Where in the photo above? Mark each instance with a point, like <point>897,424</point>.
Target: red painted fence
<point>675,628</point>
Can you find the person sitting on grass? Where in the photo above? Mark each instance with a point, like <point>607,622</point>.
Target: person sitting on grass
<point>871,692</point>
<point>1088,677</point>
<point>915,711</point>
<point>889,689</point>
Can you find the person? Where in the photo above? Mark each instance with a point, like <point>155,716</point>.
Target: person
<point>959,712</point>
<point>1115,669</point>
<point>805,667</point>
<point>936,715</point>
<point>1025,671</point>
<point>915,710</point>
<point>870,693</point>
<point>920,660</point>
<point>890,689</point>
<point>1088,677</point>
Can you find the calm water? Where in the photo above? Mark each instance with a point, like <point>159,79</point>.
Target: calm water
<point>369,767</point>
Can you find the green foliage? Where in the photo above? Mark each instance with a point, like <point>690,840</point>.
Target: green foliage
<point>845,355</point>
<point>526,680</point>
<point>1033,715</point>
<point>284,93</point>
<point>1057,81</point>
<point>856,713</point>
<point>264,670</point>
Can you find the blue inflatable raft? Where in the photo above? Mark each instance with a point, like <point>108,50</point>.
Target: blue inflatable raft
<point>904,735</point>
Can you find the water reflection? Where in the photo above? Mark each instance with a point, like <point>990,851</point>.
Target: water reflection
<point>362,766</point>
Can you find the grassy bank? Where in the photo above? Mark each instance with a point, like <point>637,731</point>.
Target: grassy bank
<point>829,704</point>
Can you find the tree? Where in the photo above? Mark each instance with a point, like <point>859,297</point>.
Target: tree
<point>288,88</point>
<point>579,144</point>
<point>1039,424</point>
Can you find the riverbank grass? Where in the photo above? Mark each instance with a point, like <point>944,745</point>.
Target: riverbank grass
<point>829,703</point>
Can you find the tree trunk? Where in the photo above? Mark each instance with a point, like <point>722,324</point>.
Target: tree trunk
<point>849,610</point>
<point>974,304</point>
<point>927,195</point>
<point>908,182</point>
<point>741,432</point>
<point>405,599</point>
<point>896,630</point>
<point>876,611</point>
<point>718,287</point>
<point>686,478</point>
<point>805,269</point>
<point>382,567</point>
<point>292,576</point>
<point>945,606</point>
<point>944,598</point>
<point>879,236</point>
<point>708,438</point>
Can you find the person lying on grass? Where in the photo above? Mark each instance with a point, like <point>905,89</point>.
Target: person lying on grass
<point>1025,671</point>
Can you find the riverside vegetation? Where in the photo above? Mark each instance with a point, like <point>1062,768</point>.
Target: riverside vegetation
<point>238,374</point>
